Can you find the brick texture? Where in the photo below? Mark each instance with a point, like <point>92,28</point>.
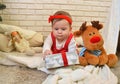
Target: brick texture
<point>33,14</point>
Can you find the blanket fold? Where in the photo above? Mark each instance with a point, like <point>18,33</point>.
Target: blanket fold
<point>74,74</point>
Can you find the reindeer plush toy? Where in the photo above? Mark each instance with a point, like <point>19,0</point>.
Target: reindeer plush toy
<point>93,52</point>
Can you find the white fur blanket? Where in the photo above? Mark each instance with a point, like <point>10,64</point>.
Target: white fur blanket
<point>65,75</point>
<point>82,75</point>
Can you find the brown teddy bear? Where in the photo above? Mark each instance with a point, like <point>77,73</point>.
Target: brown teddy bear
<point>93,52</point>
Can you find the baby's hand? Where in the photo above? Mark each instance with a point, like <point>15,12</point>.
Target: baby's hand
<point>47,52</point>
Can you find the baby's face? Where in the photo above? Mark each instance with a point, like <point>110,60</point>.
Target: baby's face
<point>61,30</point>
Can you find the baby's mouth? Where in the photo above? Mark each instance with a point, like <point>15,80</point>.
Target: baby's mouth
<point>60,35</point>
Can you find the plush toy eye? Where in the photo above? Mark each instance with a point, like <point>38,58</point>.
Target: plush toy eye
<point>90,34</point>
<point>93,33</point>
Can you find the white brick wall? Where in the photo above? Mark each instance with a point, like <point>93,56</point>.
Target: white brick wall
<point>33,14</point>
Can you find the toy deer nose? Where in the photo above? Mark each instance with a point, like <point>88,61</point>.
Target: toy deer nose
<point>95,39</point>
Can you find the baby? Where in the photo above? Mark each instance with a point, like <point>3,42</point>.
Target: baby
<point>61,38</point>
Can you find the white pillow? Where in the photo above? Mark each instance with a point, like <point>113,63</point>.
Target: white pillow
<point>36,40</point>
<point>7,29</point>
<point>4,41</point>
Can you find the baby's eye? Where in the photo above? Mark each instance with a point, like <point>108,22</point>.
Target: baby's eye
<point>56,28</point>
<point>93,32</point>
<point>63,29</point>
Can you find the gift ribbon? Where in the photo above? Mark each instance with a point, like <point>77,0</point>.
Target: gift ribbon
<point>65,61</point>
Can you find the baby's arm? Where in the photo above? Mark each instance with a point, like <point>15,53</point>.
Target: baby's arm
<point>47,46</point>
<point>72,46</point>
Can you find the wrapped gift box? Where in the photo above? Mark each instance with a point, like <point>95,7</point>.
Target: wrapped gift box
<point>61,59</point>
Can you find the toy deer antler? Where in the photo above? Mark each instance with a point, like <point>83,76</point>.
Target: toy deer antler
<point>83,27</point>
<point>97,25</point>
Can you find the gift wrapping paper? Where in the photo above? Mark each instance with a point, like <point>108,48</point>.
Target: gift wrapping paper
<point>60,59</point>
